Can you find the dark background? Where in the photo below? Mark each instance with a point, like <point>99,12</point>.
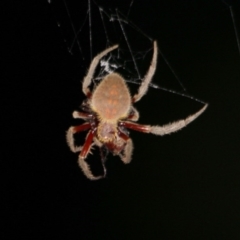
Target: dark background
<point>182,186</point>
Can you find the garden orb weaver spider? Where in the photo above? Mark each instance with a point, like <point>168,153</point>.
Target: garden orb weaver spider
<point>108,113</point>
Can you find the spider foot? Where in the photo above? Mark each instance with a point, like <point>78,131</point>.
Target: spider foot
<point>70,141</point>
<point>87,171</point>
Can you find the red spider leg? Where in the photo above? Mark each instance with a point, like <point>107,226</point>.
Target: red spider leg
<point>73,130</point>
<point>80,128</point>
<point>136,126</point>
<point>165,129</point>
<point>85,150</point>
<point>122,135</point>
<point>87,145</point>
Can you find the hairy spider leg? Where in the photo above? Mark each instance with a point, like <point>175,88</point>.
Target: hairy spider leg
<point>165,129</point>
<point>85,150</point>
<point>148,77</point>
<point>126,157</point>
<point>87,145</point>
<point>81,115</point>
<point>88,78</point>
<point>71,131</point>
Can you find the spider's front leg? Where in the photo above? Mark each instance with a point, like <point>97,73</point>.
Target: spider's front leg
<point>88,78</point>
<point>148,77</point>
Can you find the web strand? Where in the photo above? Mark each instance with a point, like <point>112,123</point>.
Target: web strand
<point>235,27</point>
<point>73,28</point>
<point>90,27</point>
<point>128,44</point>
<point>114,61</point>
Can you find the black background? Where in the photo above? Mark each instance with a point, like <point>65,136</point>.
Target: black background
<point>182,186</point>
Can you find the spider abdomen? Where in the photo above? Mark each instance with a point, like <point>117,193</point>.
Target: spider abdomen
<point>111,99</point>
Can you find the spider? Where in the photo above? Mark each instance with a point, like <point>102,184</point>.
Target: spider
<point>108,112</point>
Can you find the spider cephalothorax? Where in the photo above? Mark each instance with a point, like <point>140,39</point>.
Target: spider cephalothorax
<point>108,113</point>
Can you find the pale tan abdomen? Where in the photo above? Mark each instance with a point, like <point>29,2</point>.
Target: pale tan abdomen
<point>111,99</point>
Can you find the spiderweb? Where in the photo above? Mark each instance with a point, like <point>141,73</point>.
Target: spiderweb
<point>93,25</point>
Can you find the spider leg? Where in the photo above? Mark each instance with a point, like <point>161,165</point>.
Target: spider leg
<point>148,77</point>
<point>134,115</point>
<point>126,157</point>
<point>71,131</point>
<point>81,115</point>
<point>87,79</point>
<point>84,153</point>
<point>165,129</point>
